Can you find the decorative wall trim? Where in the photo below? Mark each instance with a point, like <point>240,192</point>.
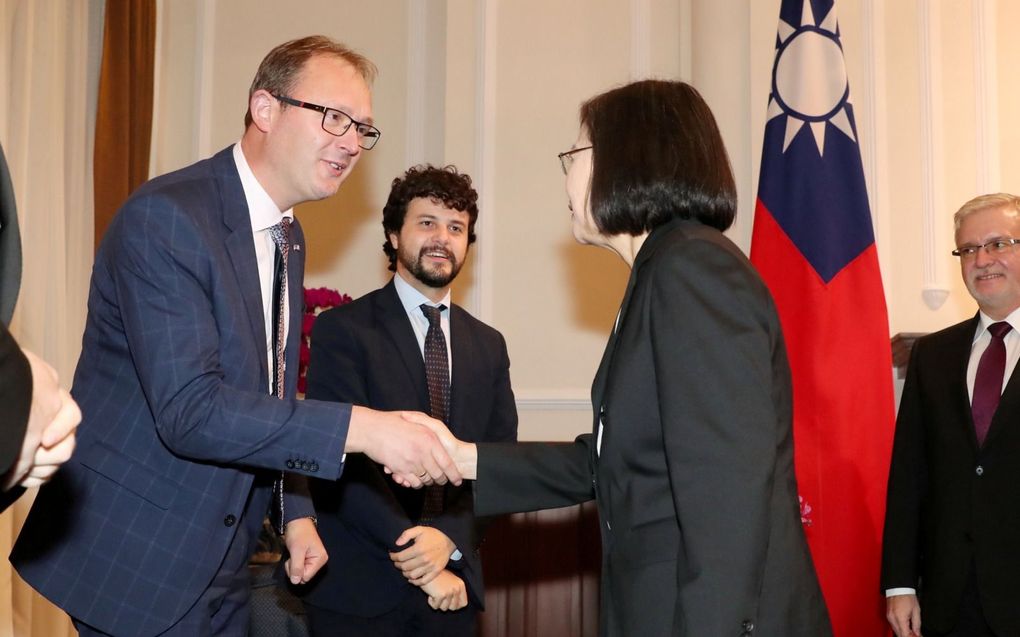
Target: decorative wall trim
<point>485,157</point>
<point>640,39</point>
<point>577,403</point>
<point>157,87</point>
<point>875,152</point>
<point>934,291</point>
<point>684,33</point>
<point>417,66</point>
<point>986,95</point>
<point>206,38</point>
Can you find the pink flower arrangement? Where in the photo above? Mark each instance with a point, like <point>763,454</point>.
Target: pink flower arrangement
<point>316,300</point>
<point>805,511</point>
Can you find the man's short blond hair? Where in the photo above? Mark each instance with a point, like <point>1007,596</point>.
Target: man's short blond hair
<point>987,202</point>
<point>279,70</point>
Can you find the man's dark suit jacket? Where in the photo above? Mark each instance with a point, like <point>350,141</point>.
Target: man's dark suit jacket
<point>950,502</point>
<point>15,373</point>
<point>10,245</point>
<point>16,398</point>
<point>366,353</point>
<point>177,419</point>
<point>695,486</point>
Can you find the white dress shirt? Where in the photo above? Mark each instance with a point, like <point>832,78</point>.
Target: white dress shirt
<point>412,299</point>
<point>982,337</point>
<point>264,214</point>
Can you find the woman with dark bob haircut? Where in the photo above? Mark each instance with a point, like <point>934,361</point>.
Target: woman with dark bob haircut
<point>691,453</point>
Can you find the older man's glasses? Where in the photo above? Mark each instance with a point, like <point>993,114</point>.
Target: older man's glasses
<point>567,157</point>
<point>338,123</point>
<point>993,247</point>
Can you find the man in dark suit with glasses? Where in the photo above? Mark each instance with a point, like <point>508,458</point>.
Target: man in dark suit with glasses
<point>951,548</point>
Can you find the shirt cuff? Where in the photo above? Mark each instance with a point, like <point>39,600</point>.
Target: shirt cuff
<point>900,591</point>
<point>456,555</point>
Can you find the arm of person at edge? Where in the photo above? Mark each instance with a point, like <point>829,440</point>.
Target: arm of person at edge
<point>46,430</point>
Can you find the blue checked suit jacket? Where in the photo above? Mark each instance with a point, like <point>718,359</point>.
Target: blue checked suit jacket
<point>177,422</point>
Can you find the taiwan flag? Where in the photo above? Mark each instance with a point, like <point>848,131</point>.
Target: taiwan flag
<point>814,245</point>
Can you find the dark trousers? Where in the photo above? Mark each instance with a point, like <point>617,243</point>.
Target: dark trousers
<point>411,618</point>
<point>222,610</point>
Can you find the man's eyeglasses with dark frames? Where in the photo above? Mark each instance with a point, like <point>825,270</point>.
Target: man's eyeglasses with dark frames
<point>993,247</point>
<point>338,123</point>
<point>567,157</point>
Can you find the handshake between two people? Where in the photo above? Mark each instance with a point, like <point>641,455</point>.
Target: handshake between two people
<point>416,450</point>
<point>50,432</point>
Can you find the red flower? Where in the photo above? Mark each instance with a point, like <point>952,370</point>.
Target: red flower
<point>805,511</point>
<point>316,300</point>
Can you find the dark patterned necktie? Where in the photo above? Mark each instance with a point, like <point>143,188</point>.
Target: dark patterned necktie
<point>281,237</point>
<point>988,381</point>
<point>437,376</point>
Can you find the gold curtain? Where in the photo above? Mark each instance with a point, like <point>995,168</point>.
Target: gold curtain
<point>124,115</point>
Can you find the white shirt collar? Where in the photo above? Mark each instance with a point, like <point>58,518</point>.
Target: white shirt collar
<point>261,208</point>
<point>984,321</point>
<point>411,298</point>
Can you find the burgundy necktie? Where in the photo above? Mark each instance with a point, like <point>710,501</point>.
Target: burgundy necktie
<point>988,381</point>
<point>281,236</point>
<point>437,376</point>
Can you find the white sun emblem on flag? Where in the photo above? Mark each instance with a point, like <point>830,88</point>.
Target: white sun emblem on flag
<point>809,83</point>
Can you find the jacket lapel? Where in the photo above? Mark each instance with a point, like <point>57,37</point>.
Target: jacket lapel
<point>395,323</point>
<point>296,300</point>
<point>240,246</point>
<point>956,357</point>
<point>463,361</point>
<point>598,389</point>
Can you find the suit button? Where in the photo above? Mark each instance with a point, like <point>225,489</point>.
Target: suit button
<point>747,626</point>
<point>229,520</point>
<point>290,464</point>
<point>980,470</point>
<point>314,467</point>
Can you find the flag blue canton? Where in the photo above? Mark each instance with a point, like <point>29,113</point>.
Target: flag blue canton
<point>813,188</point>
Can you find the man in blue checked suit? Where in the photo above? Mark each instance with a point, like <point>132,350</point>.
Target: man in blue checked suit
<point>148,528</point>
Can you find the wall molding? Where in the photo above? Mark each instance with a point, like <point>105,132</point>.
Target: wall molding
<point>417,67</point>
<point>640,39</point>
<point>875,153</point>
<point>157,87</point>
<point>684,33</point>
<point>564,400</point>
<point>485,158</point>
<point>986,96</point>
<point>204,79</point>
<point>935,291</point>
